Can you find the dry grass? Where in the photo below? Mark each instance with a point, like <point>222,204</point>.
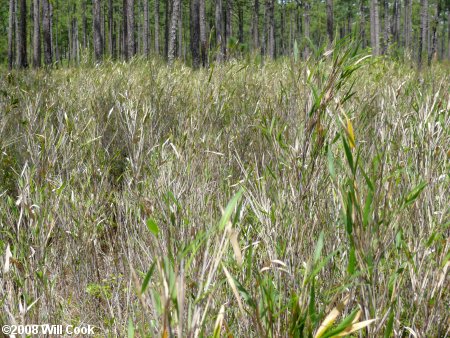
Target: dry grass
<point>115,182</point>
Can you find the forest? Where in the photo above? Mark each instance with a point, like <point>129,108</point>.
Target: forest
<point>52,32</point>
<point>225,168</point>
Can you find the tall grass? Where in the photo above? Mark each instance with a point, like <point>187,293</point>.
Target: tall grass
<point>290,199</point>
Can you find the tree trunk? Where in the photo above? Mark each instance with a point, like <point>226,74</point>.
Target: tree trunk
<point>219,30</point>
<point>375,27</point>
<point>173,31</point>
<point>180,31</point>
<point>75,39</point>
<point>97,30</point>
<point>433,54</point>
<point>146,29</point>
<point>408,24</point>
<point>36,35</point>
<point>387,27</point>
<point>307,28</point>
<point>131,42</point>
<point>396,23</point>
<point>12,15</point>
<point>228,21</point>
<point>168,17</point>
<point>423,29</point>
<point>448,32</point>
<point>195,33</point>
<point>241,23</point>
<point>84,19</point>
<point>157,27</point>
<point>271,28</point>
<point>255,25</point>
<point>112,49</point>
<point>330,21</point>
<point>203,41</point>
<point>22,61</point>
<point>362,23</point>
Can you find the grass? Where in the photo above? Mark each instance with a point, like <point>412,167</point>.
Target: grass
<point>290,199</point>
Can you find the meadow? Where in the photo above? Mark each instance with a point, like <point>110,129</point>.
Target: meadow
<point>284,199</point>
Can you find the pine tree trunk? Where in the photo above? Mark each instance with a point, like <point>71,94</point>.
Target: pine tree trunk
<point>173,31</point>
<point>330,21</point>
<point>157,27</point>
<point>97,30</point>
<point>433,54</point>
<point>146,29</point>
<point>12,15</point>
<point>203,41</point>
<point>125,29</point>
<point>448,32</point>
<point>75,39</point>
<point>241,23</point>
<point>112,49</point>
<point>271,28</point>
<point>195,32</point>
<point>84,19</point>
<point>36,35</point>
<point>387,27</point>
<point>255,25</point>
<point>283,27</point>
<point>168,14</point>
<point>375,27</point>
<point>180,31</point>
<point>228,22</point>
<point>423,36</point>
<point>396,22</point>
<point>131,42</point>
<point>362,23</point>
<point>408,24</point>
<point>22,61</point>
<point>219,30</point>
<point>307,27</point>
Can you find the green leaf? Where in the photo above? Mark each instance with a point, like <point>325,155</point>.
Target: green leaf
<point>130,329</point>
<point>342,325</point>
<point>229,209</point>
<point>367,208</point>
<point>351,268</point>
<point>348,154</point>
<point>319,247</point>
<point>152,226</point>
<point>412,196</point>
<point>147,278</point>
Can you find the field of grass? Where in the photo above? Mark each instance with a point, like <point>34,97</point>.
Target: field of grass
<point>241,200</point>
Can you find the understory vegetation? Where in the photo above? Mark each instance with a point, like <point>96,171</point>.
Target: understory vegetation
<point>244,200</point>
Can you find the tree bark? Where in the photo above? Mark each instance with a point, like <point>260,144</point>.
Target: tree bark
<point>307,28</point>
<point>125,29</point>
<point>180,31</point>
<point>146,29</point>
<point>362,23</point>
<point>195,33</point>
<point>408,24</point>
<point>375,27</point>
<point>396,23</point>
<point>22,61</point>
<point>131,42</point>
<point>433,54</point>
<point>255,25</point>
<point>46,30</point>
<point>157,27</point>
<point>36,35</point>
<point>97,30</point>
<point>12,15</point>
<point>173,31</point>
<point>219,31</point>
<point>423,29</point>
<point>84,23</point>
<point>203,41</point>
<point>112,44</point>
<point>271,28</point>
<point>387,27</point>
<point>330,21</point>
<point>228,21</point>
